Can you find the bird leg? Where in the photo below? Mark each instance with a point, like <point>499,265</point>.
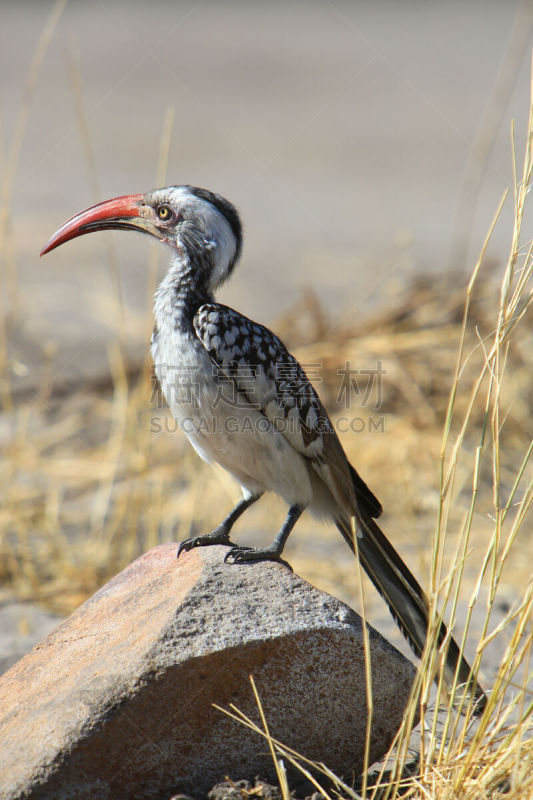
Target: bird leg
<point>239,553</point>
<point>220,535</point>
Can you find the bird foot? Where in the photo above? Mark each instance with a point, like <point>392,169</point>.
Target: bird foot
<point>219,536</point>
<point>239,554</point>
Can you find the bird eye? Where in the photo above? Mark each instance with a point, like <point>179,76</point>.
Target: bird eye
<point>164,213</point>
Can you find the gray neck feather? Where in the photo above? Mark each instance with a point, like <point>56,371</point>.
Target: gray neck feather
<point>181,292</point>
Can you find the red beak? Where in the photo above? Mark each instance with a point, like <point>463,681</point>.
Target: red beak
<point>121,212</point>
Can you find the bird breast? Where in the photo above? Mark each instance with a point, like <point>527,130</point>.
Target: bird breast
<point>221,424</point>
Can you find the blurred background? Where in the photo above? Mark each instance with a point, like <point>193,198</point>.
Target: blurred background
<point>367,146</point>
<point>363,142</point>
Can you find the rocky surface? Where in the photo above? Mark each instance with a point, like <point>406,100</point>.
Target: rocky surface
<point>118,701</point>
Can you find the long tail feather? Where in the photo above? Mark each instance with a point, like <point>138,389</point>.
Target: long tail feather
<point>407,602</point>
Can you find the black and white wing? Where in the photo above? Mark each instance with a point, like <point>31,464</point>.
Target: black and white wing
<point>273,382</point>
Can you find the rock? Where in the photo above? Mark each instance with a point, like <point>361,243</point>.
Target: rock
<point>118,701</point>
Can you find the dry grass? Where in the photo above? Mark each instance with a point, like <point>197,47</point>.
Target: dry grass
<point>94,476</point>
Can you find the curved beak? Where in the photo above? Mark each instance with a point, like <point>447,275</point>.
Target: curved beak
<point>127,212</point>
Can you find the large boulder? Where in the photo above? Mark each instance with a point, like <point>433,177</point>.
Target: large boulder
<point>118,701</point>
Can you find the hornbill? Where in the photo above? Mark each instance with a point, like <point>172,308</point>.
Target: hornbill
<point>245,402</point>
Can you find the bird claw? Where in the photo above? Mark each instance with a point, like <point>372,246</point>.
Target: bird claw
<point>218,536</point>
<point>241,554</point>
<point>236,554</point>
<point>186,545</point>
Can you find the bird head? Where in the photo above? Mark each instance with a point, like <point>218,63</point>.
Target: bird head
<point>199,225</point>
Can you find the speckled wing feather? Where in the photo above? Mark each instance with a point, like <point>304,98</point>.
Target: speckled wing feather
<point>273,382</point>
